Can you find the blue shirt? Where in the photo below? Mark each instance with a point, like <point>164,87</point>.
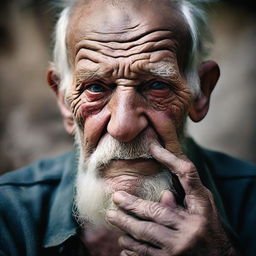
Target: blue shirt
<point>36,203</point>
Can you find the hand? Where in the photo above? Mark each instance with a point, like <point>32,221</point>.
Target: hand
<point>165,228</point>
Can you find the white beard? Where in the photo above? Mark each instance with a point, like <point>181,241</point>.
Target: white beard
<point>93,194</point>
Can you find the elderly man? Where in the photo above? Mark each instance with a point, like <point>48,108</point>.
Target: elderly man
<point>126,75</point>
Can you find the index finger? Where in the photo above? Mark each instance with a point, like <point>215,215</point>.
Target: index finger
<point>182,167</point>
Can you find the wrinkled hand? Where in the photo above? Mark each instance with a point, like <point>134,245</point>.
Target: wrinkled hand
<point>166,228</point>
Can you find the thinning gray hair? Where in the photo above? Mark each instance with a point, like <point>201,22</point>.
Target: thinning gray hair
<point>194,15</point>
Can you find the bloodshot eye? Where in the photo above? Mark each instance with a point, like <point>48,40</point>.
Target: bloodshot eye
<point>96,88</point>
<point>157,85</point>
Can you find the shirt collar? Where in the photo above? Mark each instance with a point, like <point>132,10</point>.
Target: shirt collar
<point>61,223</point>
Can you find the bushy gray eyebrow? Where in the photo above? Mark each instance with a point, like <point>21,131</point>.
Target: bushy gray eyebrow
<point>162,69</point>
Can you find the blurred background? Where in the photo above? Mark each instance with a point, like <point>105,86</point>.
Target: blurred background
<point>30,124</point>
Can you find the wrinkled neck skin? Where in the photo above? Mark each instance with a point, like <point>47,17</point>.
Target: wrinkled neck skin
<point>128,59</point>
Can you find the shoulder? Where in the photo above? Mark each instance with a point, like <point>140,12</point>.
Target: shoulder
<point>225,166</point>
<point>26,196</point>
<point>236,183</point>
<point>42,171</point>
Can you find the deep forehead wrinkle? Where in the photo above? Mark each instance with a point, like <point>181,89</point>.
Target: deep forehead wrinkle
<point>94,43</point>
<point>101,52</point>
<point>156,24</point>
<point>98,51</point>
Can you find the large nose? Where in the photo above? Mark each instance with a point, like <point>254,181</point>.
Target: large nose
<point>127,118</point>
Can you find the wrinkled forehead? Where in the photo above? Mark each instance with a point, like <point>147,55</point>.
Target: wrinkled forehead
<point>125,21</point>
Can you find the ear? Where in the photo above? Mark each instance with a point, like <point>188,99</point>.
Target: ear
<point>53,80</point>
<point>209,74</point>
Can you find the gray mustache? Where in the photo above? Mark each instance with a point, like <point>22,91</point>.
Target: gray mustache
<point>111,149</point>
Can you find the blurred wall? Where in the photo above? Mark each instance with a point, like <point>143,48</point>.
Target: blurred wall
<point>230,125</point>
<point>31,127</point>
<point>30,124</point>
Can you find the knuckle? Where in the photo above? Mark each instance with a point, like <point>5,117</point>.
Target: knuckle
<point>187,167</point>
<point>132,247</point>
<point>188,170</point>
<point>144,231</point>
<point>128,222</point>
<point>208,194</point>
<point>123,241</point>
<point>143,249</point>
<point>154,210</point>
<point>125,222</point>
<point>135,204</point>
<point>147,231</point>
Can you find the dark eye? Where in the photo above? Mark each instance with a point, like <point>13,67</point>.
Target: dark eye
<point>158,86</point>
<point>96,88</point>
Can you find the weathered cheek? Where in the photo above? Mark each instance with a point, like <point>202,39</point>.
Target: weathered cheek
<point>84,106</point>
<point>175,104</point>
<point>91,118</point>
<point>178,107</point>
<point>92,128</point>
<point>92,108</point>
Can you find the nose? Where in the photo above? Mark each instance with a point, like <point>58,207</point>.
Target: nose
<point>127,118</point>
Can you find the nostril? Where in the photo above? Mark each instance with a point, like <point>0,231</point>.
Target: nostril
<point>127,130</point>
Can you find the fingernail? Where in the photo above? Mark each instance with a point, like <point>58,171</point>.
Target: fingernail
<point>162,193</point>
<point>111,214</point>
<point>119,196</point>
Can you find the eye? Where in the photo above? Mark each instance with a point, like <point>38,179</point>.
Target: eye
<point>96,88</point>
<point>157,85</point>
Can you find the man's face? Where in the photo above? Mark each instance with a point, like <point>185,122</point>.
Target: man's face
<point>128,83</point>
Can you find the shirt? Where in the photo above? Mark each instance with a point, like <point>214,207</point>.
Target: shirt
<point>36,203</point>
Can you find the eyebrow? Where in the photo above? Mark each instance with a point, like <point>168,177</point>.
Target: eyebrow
<point>162,69</point>
<point>83,75</point>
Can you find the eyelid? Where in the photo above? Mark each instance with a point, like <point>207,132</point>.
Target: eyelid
<point>98,84</point>
<point>167,84</point>
<point>106,87</point>
<point>86,84</point>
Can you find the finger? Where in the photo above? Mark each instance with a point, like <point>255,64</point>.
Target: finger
<point>140,230</point>
<point>137,247</point>
<point>148,210</point>
<point>168,199</point>
<point>183,168</point>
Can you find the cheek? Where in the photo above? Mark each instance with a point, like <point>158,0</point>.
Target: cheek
<point>173,107</point>
<point>162,121</point>
<point>167,116</point>
<point>167,130</point>
<point>85,105</point>
<point>94,128</point>
<point>91,115</point>
<point>91,108</point>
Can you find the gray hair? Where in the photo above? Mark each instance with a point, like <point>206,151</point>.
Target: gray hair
<point>194,15</point>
